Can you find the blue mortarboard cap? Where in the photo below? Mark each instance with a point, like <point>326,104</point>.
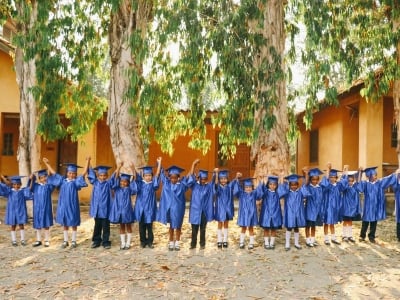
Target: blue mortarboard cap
<point>370,171</point>
<point>293,178</point>
<point>147,170</point>
<point>16,179</point>
<point>71,167</point>
<point>272,178</point>
<point>333,172</point>
<point>175,170</point>
<point>41,173</point>
<point>315,172</point>
<point>102,169</point>
<point>223,173</point>
<point>248,181</point>
<point>124,176</point>
<point>203,173</point>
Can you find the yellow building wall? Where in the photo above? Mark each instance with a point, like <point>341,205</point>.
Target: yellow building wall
<point>389,152</point>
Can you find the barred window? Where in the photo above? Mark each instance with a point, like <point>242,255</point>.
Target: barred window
<point>8,144</point>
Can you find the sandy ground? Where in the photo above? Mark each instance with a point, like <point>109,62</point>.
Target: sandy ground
<point>347,271</point>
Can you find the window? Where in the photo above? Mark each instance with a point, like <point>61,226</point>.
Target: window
<point>314,146</point>
<point>8,144</point>
<point>393,139</point>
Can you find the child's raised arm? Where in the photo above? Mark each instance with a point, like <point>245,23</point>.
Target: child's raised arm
<point>194,164</point>
<point>158,166</point>
<point>50,170</point>
<point>216,170</point>
<point>86,168</point>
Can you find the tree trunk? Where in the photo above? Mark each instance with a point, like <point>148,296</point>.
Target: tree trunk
<point>124,127</point>
<point>396,93</point>
<point>271,149</point>
<point>29,142</point>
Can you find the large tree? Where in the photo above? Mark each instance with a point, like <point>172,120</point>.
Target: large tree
<point>349,40</point>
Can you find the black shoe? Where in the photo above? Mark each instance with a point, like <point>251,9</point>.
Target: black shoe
<point>64,245</point>
<point>298,247</point>
<point>336,242</point>
<point>351,239</point>
<point>272,246</point>
<point>37,244</point>
<point>327,242</point>
<point>250,247</point>
<point>287,248</point>
<point>46,243</point>
<point>23,243</point>
<point>177,248</point>
<point>192,247</point>
<point>74,244</point>
<point>219,245</point>
<point>361,239</point>
<point>266,246</point>
<point>241,246</point>
<point>225,244</point>
<point>151,246</point>
<point>202,247</point>
<point>15,244</point>
<point>310,245</point>
<point>372,241</point>
<point>107,246</point>
<point>95,245</point>
<point>143,245</point>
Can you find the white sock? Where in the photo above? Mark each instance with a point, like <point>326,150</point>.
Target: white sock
<point>266,241</point>
<point>128,239</point>
<point>242,236</point>
<point>47,235</point>
<point>13,236</point>
<point>344,233</point>
<point>22,233</point>
<point>122,237</point>
<point>252,240</point>
<point>333,237</point>
<point>225,235</point>
<point>176,243</point>
<point>287,238</point>
<point>65,235</point>
<point>308,240</point>
<point>171,244</point>
<point>350,231</point>
<point>312,239</point>
<point>38,235</point>
<point>272,242</point>
<point>219,235</point>
<point>73,237</point>
<point>326,237</point>
<point>296,238</point>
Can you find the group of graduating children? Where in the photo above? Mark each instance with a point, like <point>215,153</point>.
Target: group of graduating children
<point>317,202</point>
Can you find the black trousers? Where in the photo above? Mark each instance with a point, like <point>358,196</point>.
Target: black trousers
<point>195,230</point>
<point>101,227</point>
<point>398,231</point>
<point>372,229</point>
<point>146,232</point>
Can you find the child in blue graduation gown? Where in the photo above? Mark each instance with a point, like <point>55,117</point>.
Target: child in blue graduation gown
<point>374,201</point>
<point>351,206</point>
<point>396,188</point>
<point>146,203</point>
<point>68,208</point>
<point>16,212</point>
<point>247,215</point>
<point>224,206</point>
<point>201,205</point>
<point>332,202</point>
<point>121,208</point>
<point>314,204</point>
<point>42,204</point>
<point>294,211</point>
<point>100,205</point>
<point>271,213</point>
<point>172,203</point>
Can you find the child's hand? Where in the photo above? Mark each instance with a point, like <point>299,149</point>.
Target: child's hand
<point>345,167</point>
<point>238,175</point>
<point>159,160</point>
<point>216,170</point>
<point>88,158</point>
<point>45,160</point>
<point>329,165</point>
<point>196,161</point>
<point>305,169</point>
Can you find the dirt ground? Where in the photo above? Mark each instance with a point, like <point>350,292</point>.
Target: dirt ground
<point>347,271</point>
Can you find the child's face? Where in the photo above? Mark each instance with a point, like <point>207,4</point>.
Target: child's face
<point>173,178</point>
<point>223,180</point>
<point>248,188</point>
<point>373,177</point>
<point>71,175</point>
<point>332,179</point>
<point>350,180</point>
<point>102,176</point>
<point>123,183</point>
<point>293,185</point>
<point>42,179</point>
<point>314,180</point>
<point>203,180</point>
<point>147,177</point>
<point>272,185</point>
<point>16,186</point>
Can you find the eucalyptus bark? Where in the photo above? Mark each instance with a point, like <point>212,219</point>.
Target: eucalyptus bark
<point>29,142</point>
<point>271,149</point>
<point>396,92</point>
<point>125,136</point>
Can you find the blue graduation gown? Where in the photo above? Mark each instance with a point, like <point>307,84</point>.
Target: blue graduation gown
<point>146,202</point>
<point>396,188</point>
<point>332,199</point>
<point>374,197</point>
<point>247,215</point>
<point>224,206</point>
<point>351,205</point>
<point>314,204</point>
<point>100,201</point>
<point>271,212</point>
<point>201,200</point>
<point>68,209</point>
<point>172,202</point>
<point>294,209</point>
<point>42,204</point>
<point>16,212</point>
<point>121,207</point>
